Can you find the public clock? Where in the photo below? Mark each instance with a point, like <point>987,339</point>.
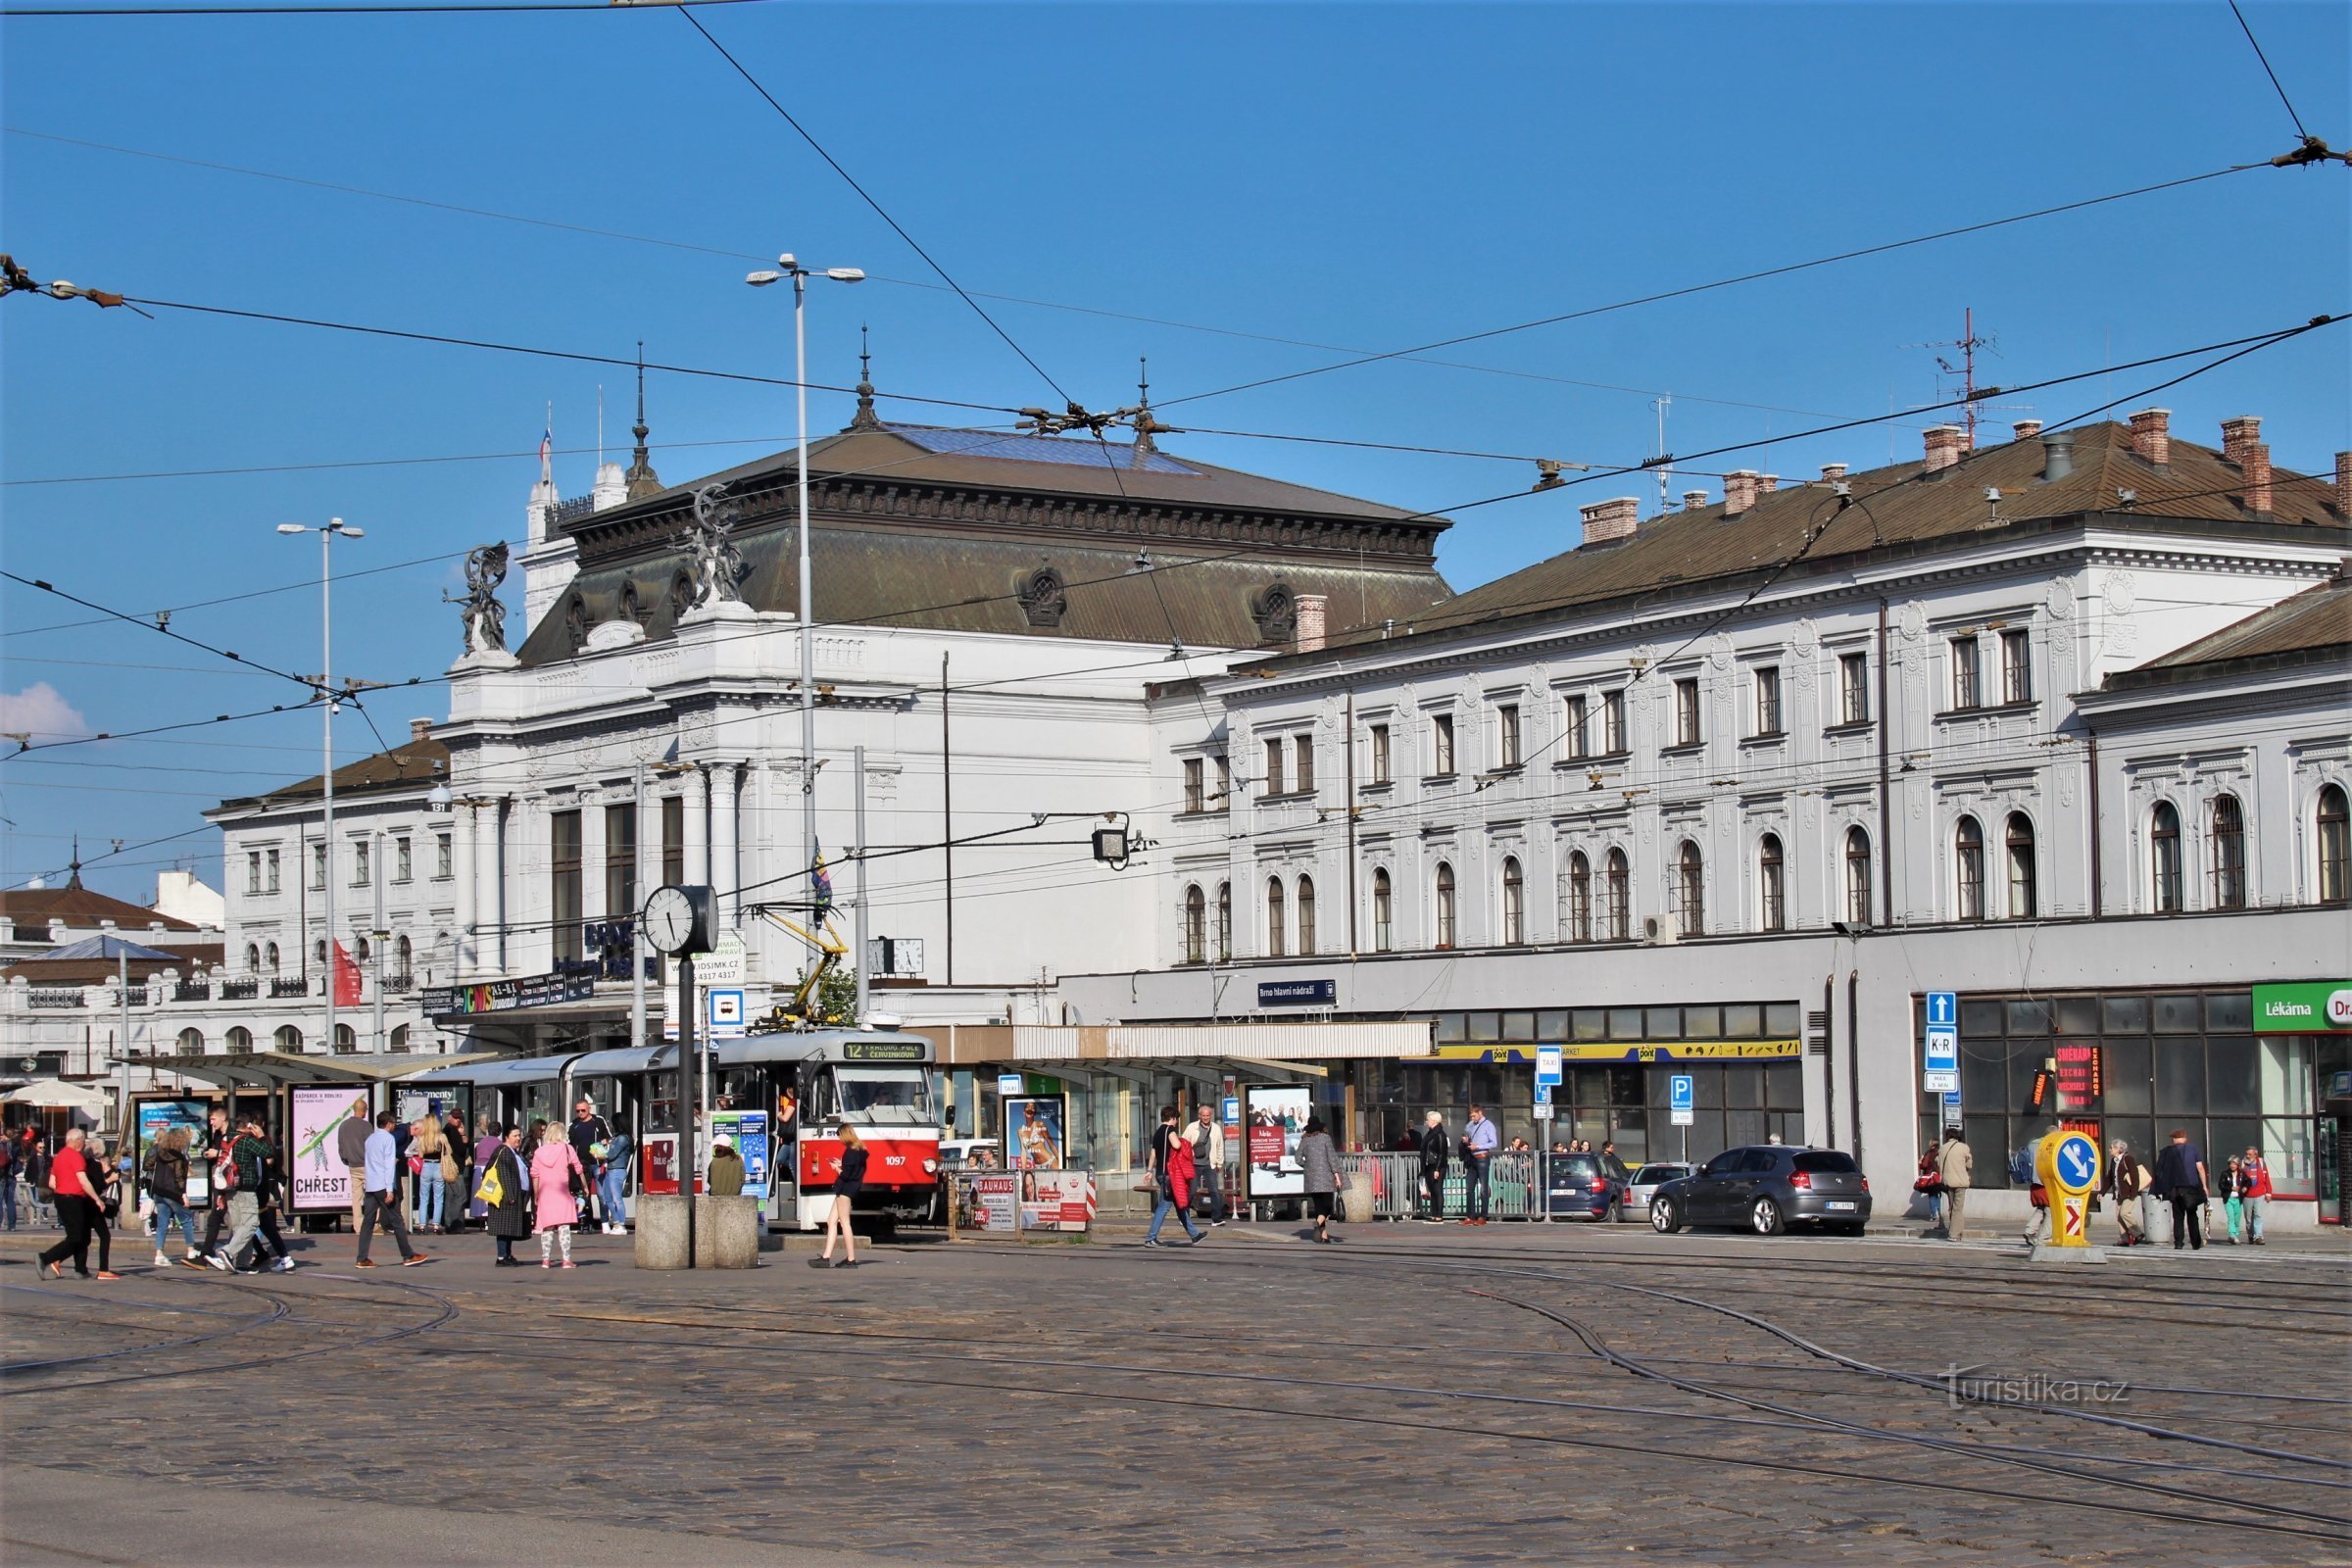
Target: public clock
<point>678,919</point>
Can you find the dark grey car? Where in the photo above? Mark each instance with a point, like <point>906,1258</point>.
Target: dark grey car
<point>1767,1187</point>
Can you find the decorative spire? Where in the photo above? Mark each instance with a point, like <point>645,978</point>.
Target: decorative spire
<point>74,866</point>
<point>866,417</point>
<point>1145,423</point>
<point>641,478</point>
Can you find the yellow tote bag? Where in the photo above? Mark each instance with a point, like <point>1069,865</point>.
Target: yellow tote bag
<point>492,1191</point>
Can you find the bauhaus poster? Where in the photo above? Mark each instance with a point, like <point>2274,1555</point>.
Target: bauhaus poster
<point>319,1182</point>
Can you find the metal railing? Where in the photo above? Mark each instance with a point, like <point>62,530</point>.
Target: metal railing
<point>1396,1191</point>
<point>295,987</point>
<point>60,1000</point>
<point>240,990</point>
<point>136,996</point>
<point>192,991</point>
<point>398,982</point>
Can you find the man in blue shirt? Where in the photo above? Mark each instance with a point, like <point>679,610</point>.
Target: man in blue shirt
<point>1479,1142</point>
<point>384,1195</point>
<point>2181,1177</point>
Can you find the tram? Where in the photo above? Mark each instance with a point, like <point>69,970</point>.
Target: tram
<point>782,1098</point>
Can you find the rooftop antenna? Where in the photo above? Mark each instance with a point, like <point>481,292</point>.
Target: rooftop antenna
<point>1967,343</point>
<point>1661,402</point>
<point>599,428</point>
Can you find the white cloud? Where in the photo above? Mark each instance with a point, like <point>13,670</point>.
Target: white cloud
<point>40,710</point>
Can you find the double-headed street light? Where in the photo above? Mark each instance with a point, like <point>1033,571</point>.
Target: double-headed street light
<point>788,265</point>
<point>327,534</point>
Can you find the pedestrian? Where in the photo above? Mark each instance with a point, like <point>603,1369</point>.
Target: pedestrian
<point>1437,1148</point>
<point>2254,1194</point>
<point>1956,1167</point>
<point>1614,1165</point>
<point>10,1164</point>
<point>725,1178</point>
<point>1479,1142</point>
<point>558,1181</point>
<point>847,1178</point>
<point>1319,1160</point>
<point>167,1187</point>
<point>381,1178</point>
<point>239,1174</point>
<point>76,1199</point>
<point>1172,1170</point>
<point>351,1147</point>
<point>435,1171</point>
<point>611,1182</point>
<point>273,1195</point>
<point>505,1192</point>
<point>2181,1177</point>
<point>459,1183</point>
<point>109,1182</point>
<point>491,1137</point>
<point>2029,1161</point>
<point>586,1131</point>
<point>2122,1189</point>
<point>1208,1165</point>
<point>1930,1184</point>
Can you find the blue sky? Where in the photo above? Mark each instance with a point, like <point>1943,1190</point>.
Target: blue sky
<point>1367,177</point>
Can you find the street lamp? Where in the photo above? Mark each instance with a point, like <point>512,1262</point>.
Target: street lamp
<point>327,775</point>
<point>788,265</point>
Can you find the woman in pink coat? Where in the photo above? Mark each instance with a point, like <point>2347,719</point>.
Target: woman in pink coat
<point>554,1168</point>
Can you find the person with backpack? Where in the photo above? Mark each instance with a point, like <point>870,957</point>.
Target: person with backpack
<point>212,1154</point>
<point>1437,1148</point>
<point>2254,1194</point>
<point>1956,1168</point>
<point>167,1187</point>
<point>587,1130</point>
<point>241,1174</point>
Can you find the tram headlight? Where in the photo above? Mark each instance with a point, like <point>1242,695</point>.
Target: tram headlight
<point>930,1167</point>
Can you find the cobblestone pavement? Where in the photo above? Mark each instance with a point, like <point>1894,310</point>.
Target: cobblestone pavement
<point>1414,1394</point>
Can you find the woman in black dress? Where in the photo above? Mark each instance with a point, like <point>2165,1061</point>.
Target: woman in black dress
<point>846,1183</point>
<point>510,1218</point>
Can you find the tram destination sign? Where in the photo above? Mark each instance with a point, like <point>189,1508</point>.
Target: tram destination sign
<point>505,996</point>
<point>882,1051</point>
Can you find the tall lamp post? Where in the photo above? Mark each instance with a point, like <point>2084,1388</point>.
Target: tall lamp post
<point>788,265</point>
<point>327,689</point>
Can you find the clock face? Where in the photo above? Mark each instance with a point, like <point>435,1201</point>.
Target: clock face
<point>669,919</point>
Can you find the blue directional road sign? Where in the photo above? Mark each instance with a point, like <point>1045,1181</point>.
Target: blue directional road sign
<point>2077,1162</point>
<point>1944,1009</point>
<point>1942,1067</point>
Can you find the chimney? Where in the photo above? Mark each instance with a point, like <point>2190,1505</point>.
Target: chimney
<point>1739,491</point>
<point>419,729</point>
<point>1693,500</point>
<point>1309,637</point>
<point>1607,521</point>
<point>1942,447</point>
<point>2057,455</point>
<point>1767,483</point>
<point>2254,463</point>
<point>2026,429</point>
<point>2343,484</point>
<point>1833,471</point>
<point>2239,434</point>
<point>2153,435</point>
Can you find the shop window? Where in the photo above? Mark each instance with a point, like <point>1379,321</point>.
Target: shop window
<point>1703,1023</point>
<point>2030,1017</point>
<point>2178,1016</point>
<point>2123,1015</point>
<point>2180,1076</point>
<point>1782,1021</point>
<point>1743,1020</point>
<point>2129,1066</point>
<point>2233,1080</point>
<point>1662,1023</point>
<point>1625,1023</point>
<point>1588,1023</point>
<point>1519,1027</point>
<point>2230,1012</point>
<point>1486,1028</point>
<point>1553,1024</point>
<point>1449,1028</point>
<point>2077,1015</point>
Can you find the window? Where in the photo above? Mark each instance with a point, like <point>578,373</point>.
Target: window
<point>2163,858</point>
<point>674,840</point>
<point>270,957</point>
<point>1224,921</point>
<point>1857,876</point>
<point>317,866</point>
<point>1384,913</point>
<point>1224,782</point>
<point>1685,712</point>
<point>1307,916</point>
<point>2024,884</point>
<point>1196,924</point>
<point>1514,901</point>
<point>1302,754</point>
<point>253,958</point>
<point>1576,746</point>
<point>404,957</point>
<point>564,884</point>
<point>400,1037</point>
<point>1440,745</point>
<point>360,850</point>
<point>2334,840</point>
<point>253,872</point>
<point>1620,876</point>
<point>1768,701</point>
<point>1196,785</point>
<point>318,954</point>
<point>1966,692</point>
<point>1579,898</point>
<point>1968,867</point>
<point>2228,853</point>
<point>271,863</point>
<point>443,866</point>
<point>347,1040</point>
<point>1274,748</point>
<point>362,952</point>
<point>1853,688</point>
<point>238,1038</point>
<point>1612,723</point>
<point>404,860</point>
<point>620,860</point>
<point>1379,765</point>
<point>287,1038</point>
<point>1691,891</point>
<point>1444,910</point>
<point>2017,667</point>
<point>1772,897</point>
<point>1277,917</point>
<point>1506,735</point>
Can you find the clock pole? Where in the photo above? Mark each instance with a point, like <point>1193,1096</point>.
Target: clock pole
<point>689,1093</point>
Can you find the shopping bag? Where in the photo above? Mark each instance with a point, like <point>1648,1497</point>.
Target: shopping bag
<point>492,1191</point>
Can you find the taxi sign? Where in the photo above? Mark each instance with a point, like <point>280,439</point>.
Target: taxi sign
<point>1548,1066</point>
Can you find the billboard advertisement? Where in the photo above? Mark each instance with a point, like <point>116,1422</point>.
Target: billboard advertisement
<point>1273,1116</point>
<point>316,1180</point>
<point>158,1117</point>
<point>749,1130</point>
<point>994,1200</point>
<point>1057,1200</point>
<point>1033,1131</point>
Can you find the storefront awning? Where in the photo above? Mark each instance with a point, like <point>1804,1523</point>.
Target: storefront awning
<point>273,1070</point>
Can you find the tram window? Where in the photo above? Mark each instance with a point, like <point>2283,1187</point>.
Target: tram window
<point>873,1095</point>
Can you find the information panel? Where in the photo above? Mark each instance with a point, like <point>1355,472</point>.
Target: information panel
<point>317,1178</point>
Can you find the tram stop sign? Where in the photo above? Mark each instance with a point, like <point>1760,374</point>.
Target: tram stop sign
<point>2068,1163</point>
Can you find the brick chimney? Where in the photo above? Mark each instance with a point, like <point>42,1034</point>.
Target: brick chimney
<point>2153,435</point>
<point>2026,429</point>
<point>1833,471</point>
<point>1609,521</point>
<point>1767,483</point>
<point>1311,621</point>
<point>419,729</point>
<point>2239,434</point>
<point>1739,491</point>
<point>2343,483</point>
<point>1693,500</point>
<point>1942,447</point>
<point>2254,464</point>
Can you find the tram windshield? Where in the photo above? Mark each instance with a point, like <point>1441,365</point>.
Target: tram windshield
<point>879,1097</point>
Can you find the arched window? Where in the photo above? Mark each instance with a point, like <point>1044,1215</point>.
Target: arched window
<point>1620,875</point>
<point>287,1038</point>
<point>1277,917</point>
<point>2228,853</point>
<point>1446,911</point>
<point>1579,898</point>
<point>253,958</point>
<point>191,1041</point>
<point>1196,924</point>
<point>238,1038</point>
<point>400,1037</point>
<point>404,957</point>
<point>1384,912</point>
<point>318,952</point>
<point>1968,869</point>
<point>1772,888</point>
<point>1857,876</point>
<point>364,953</point>
<point>1691,891</point>
<point>1224,922</point>
<point>346,1041</point>
<point>1307,915</point>
<point>2334,846</point>
<point>1514,901</point>
<point>273,958</point>
<point>2163,858</point>
<point>2025,889</point>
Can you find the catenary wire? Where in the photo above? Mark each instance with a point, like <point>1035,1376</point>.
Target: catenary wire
<point>2248,28</point>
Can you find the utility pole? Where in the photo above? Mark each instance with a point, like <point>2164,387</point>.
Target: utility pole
<point>858,952</point>
<point>377,935</point>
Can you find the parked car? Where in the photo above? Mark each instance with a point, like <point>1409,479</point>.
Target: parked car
<point>1582,1188</point>
<point>1646,1179</point>
<point>1767,1187</point>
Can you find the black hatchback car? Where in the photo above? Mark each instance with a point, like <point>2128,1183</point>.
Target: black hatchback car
<point>1767,1187</point>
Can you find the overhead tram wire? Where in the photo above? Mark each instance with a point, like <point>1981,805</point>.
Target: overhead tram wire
<point>2248,29</point>
<point>425,7</point>
<point>161,624</point>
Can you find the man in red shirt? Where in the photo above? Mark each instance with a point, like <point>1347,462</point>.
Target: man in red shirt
<point>77,1209</point>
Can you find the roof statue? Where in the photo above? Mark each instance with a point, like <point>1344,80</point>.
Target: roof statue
<point>717,567</point>
<point>482,616</point>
